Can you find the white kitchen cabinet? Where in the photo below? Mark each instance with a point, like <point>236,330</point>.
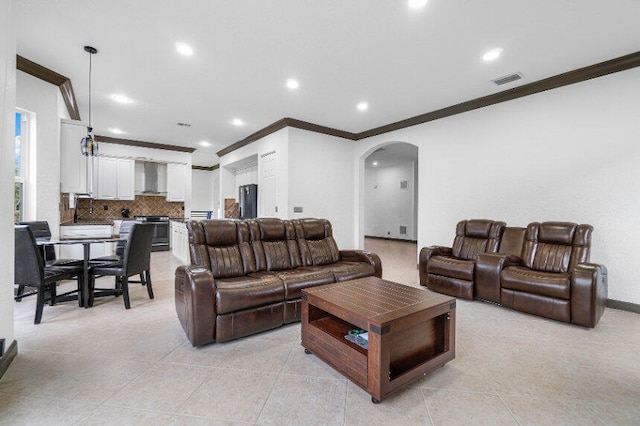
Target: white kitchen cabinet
<point>180,241</point>
<point>126,179</point>
<point>74,167</point>
<point>76,251</point>
<point>115,178</point>
<point>176,181</point>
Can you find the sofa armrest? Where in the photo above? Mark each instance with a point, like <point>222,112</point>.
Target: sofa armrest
<point>487,274</point>
<point>425,254</point>
<point>363,256</point>
<point>589,291</point>
<point>195,303</point>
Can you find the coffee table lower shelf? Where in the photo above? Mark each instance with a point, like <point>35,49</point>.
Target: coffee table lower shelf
<point>400,350</point>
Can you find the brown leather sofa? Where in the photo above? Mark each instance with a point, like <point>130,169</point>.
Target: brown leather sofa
<point>542,269</point>
<point>246,275</point>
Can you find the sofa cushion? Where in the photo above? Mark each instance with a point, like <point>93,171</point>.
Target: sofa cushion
<point>297,279</point>
<point>238,293</point>
<point>316,243</point>
<point>274,244</point>
<point>451,267</point>
<point>344,271</point>
<point>543,283</point>
<point>220,233</point>
<point>225,262</point>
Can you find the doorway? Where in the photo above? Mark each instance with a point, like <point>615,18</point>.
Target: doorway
<point>391,192</point>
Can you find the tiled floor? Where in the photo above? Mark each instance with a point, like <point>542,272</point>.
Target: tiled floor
<point>109,366</point>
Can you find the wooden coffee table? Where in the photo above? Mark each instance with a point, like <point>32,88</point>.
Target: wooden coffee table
<point>411,331</point>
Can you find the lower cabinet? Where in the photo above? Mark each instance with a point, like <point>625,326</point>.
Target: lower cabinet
<point>76,251</point>
<point>180,241</point>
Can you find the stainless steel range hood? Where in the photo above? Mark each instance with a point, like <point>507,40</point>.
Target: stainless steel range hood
<point>149,183</point>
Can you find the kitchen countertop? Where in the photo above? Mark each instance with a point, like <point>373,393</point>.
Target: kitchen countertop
<point>89,222</point>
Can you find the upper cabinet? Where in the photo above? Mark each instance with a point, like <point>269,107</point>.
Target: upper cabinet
<point>176,181</point>
<point>74,167</point>
<point>115,178</point>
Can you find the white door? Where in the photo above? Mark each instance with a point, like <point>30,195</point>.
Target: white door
<point>267,193</point>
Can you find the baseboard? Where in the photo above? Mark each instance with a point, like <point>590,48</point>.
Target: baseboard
<point>623,306</point>
<point>9,355</point>
<point>391,239</point>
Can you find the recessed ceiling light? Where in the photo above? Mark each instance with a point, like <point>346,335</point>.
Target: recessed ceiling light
<point>116,131</point>
<point>184,48</point>
<point>375,163</point>
<point>492,54</point>
<point>122,99</point>
<point>292,83</point>
<point>362,106</point>
<point>237,122</point>
<point>204,143</point>
<point>417,4</point>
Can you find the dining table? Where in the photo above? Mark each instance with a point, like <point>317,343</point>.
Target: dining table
<point>86,243</point>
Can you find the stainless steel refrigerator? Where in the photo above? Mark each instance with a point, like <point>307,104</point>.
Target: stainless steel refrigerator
<point>248,201</point>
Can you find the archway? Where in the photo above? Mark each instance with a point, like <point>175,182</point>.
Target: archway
<point>389,192</point>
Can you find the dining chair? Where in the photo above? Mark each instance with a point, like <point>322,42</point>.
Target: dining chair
<point>136,260</point>
<point>30,270</point>
<point>41,231</point>
<point>125,228</point>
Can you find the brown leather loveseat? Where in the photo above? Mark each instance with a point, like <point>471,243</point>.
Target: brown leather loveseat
<point>542,269</point>
<point>246,275</point>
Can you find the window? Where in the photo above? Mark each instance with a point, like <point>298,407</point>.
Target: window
<point>20,165</point>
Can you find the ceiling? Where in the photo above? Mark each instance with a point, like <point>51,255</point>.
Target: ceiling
<point>402,62</point>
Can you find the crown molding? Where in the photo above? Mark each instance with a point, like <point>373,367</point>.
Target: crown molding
<point>576,76</point>
<point>621,63</point>
<point>143,144</point>
<point>50,76</point>
<point>208,169</point>
<point>281,124</point>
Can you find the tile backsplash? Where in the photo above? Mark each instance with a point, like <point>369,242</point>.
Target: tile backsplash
<point>143,205</point>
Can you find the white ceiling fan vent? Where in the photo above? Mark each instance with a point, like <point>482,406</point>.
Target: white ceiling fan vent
<point>508,79</point>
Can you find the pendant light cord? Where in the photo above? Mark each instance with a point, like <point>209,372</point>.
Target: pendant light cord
<point>90,55</point>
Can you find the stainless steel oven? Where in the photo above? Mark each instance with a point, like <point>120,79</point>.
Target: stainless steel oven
<point>160,240</point>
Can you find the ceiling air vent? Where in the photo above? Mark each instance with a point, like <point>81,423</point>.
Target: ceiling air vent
<point>507,79</point>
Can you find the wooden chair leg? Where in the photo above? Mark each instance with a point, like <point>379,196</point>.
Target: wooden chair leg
<point>125,292</point>
<point>147,280</point>
<point>39,304</point>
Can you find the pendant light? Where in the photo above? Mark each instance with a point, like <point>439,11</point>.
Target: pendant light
<point>89,145</point>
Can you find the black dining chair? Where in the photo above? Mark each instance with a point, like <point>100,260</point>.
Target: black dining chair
<point>136,260</point>
<point>125,228</point>
<point>30,270</point>
<point>41,231</point>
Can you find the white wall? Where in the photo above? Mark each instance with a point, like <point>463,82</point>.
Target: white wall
<point>277,142</point>
<point>247,176</point>
<point>202,194</point>
<point>387,205</point>
<point>570,154</point>
<point>42,99</point>
<point>7,170</point>
<point>321,172</point>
